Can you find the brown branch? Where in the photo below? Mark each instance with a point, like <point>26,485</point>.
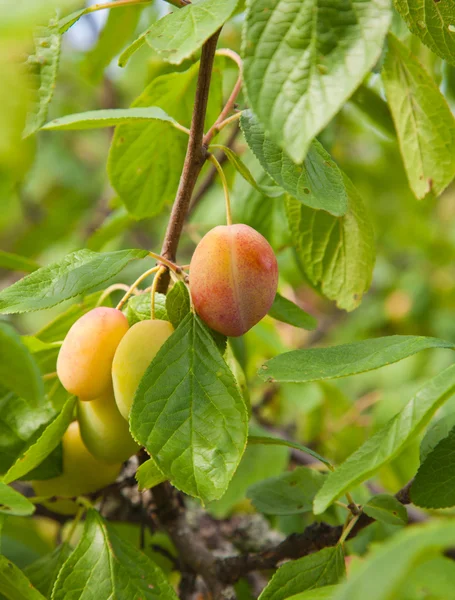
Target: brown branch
<point>196,155</point>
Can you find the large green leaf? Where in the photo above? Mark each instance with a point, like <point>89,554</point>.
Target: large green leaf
<point>178,303</point>
<point>386,570</point>
<point>46,443</point>
<point>14,585</point>
<point>304,59</point>
<point>189,414</point>
<point>18,369</point>
<point>290,493</point>
<point>433,22</point>
<point>336,254</point>
<point>44,64</point>
<point>20,425</point>
<point>316,364</point>
<point>433,485</point>
<point>146,159</point>
<point>43,572</point>
<point>77,273</point>
<point>286,311</point>
<point>423,120</point>
<point>317,183</point>
<point>103,565</point>
<point>325,567</point>
<point>180,34</point>
<point>388,442</point>
<point>108,117</point>
<point>14,503</point>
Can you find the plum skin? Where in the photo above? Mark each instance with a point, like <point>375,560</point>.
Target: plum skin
<point>104,431</point>
<point>134,354</point>
<point>82,473</point>
<point>85,358</point>
<point>233,278</point>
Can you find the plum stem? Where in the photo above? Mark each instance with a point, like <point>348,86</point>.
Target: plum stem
<point>156,280</point>
<point>227,198</point>
<point>134,286</point>
<point>110,289</point>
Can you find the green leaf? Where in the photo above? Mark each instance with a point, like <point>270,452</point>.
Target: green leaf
<point>14,585</point>
<point>286,311</point>
<point>388,442</point>
<point>433,22</point>
<point>56,329</point>
<point>381,576</point>
<point>375,109</point>
<point>317,182</point>
<point>304,59</point>
<point>118,30</point>
<point>77,273</point>
<point>43,572</point>
<point>178,303</point>
<point>180,34</point>
<point>257,439</point>
<point>14,262</point>
<point>18,369</point>
<point>19,426</point>
<point>433,485</point>
<point>337,255</point>
<point>108,117</point>
<point>139,308</point>
<point>68,21</point>
<point>189,414</point>
<point>290,493</point>
<point>146,159</point>
<point>45,63</point>
<point>149,475</point>
<point>386,509</point>
<point>103,565</point>
<point>14,503</point>
<point>46,443</point>
<point>437,431</point>
<point>325,567</point>
<point>325,593</point>
<point>423,120</point>
<point>316,364</point>
<point>113,226</point>
<point>51,467</point>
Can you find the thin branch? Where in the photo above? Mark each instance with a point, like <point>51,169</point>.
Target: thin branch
<point>196,155</point>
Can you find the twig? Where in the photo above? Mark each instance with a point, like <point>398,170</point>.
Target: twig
<point>196,155</point>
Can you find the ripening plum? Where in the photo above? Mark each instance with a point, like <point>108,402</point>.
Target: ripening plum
<point>104,431</point>
<point>233,278</point>
<point>134,354</point>
<point>85,358</point>
<point>82,473</point>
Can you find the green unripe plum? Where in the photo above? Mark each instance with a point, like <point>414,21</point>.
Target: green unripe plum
<point>85,359</point>
<point>134,354</point>
<point>233,278</point>
<point>104,431</point>
<point>82,473</point>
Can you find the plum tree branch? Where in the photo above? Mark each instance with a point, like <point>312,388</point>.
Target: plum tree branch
<point>196,155</point>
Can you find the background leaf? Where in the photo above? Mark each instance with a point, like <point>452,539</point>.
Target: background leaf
<point>14,262</point>
<point>180,34</point>
<point>317,182</point>
<point>77,273</point>
<point>384,445</point>
<point>43,572</point>
<point>337,255</point>
<point>148,475</point>
<point>290,493</point>
<point>322,568</point>
<point>304,59</point>
<point>106,565</point>
<point>18,369</point>
<point>14,503</point>
<point>431,22</point>
<point>316,364</point>
<point>286,311</point>
<point>189,415</point>
<point>108,117</point>
<point>14,584</point>
<point>433,485</point>
<point>139,308</point>
<point>386,509</point>
<point>423,120</point>
<point>259,439</point>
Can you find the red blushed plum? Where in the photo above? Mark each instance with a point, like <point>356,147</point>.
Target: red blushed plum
<point>233,278</point>
<point>85,358</point>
